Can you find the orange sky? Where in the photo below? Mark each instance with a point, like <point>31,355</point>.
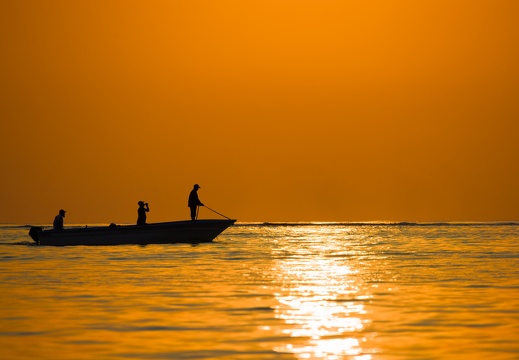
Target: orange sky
<point>286,110</point>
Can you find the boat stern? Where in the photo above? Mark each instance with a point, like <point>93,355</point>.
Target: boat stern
<point>34,233</point>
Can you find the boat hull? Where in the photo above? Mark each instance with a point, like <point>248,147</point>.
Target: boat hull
<point>191,232</point>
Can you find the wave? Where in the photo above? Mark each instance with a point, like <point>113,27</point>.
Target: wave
<point>27,226</point>
<point>21,243</point>
<point>15,226</point>
<point>382,223</point>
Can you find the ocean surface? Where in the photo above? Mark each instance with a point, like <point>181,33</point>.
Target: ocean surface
<point>268,291</point>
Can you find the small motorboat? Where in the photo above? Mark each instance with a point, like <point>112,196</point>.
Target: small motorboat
<point>191,232</point>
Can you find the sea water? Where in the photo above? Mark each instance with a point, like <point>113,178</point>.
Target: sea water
<point>268,291</point>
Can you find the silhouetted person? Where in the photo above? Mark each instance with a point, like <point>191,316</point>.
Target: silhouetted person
<point>143,209</point>
<point>58,220</point>
<point>193,201</point>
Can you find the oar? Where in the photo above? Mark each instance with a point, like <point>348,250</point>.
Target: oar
<point>217,213</point>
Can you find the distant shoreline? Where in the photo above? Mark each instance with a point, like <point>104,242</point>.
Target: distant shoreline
<point>314,223</point>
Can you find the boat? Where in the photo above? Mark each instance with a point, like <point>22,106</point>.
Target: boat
<point>187,231</point>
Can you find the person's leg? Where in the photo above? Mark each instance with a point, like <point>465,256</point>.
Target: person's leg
<point>193,213</point>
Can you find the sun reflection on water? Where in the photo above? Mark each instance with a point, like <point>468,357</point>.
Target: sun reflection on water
<point>321,300</point>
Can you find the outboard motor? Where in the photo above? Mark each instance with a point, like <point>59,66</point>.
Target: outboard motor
<point>33,233</point>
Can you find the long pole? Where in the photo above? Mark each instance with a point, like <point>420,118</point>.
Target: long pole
<point>217,213</point>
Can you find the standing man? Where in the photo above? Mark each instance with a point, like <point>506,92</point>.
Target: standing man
<point>58,220</point>
<point>141,212</point>
<point>193,203</point>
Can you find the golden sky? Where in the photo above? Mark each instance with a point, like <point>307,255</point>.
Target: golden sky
<point>285,110</point>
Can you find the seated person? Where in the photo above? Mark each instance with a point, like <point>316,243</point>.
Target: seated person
<point>58,220</point>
